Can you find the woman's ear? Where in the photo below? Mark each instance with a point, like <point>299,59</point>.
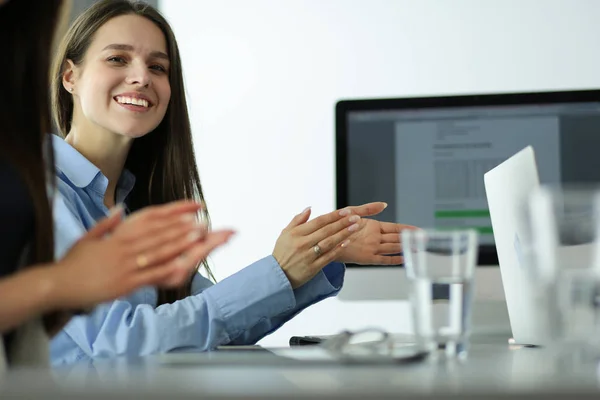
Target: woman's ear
<point>69,75</point>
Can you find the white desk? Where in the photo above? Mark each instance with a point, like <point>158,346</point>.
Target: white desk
<point>493,370</point>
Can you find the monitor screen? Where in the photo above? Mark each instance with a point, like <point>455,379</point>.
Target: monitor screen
<point>426,157</point>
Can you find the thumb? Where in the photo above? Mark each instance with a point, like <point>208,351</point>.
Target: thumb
<point>300,218</point>
<point>369,209</point>
<point>107,225</point>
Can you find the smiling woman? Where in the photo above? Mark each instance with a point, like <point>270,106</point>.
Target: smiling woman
<point>119,102</point>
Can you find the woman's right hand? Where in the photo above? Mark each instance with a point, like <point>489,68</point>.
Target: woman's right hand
<point>159,245</point>
<point>304,248</point>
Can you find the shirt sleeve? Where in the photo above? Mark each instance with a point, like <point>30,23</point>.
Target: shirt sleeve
<point>134,326</point>
<point>240,309</point>
<point>327,283</point>
<point>228,295</point>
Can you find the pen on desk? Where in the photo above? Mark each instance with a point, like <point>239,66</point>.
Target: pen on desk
<point>305,340</point>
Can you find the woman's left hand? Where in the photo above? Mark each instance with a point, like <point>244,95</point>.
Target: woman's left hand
<point>376,243</point>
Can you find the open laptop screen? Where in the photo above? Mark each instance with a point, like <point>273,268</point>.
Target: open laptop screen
<point>426,156</point>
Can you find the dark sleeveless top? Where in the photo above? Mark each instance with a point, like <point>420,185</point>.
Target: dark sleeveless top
<point>17,218</point>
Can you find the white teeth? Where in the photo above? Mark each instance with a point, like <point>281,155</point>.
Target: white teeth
<point>132,100</point>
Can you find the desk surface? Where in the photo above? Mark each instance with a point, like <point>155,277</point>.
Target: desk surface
<point>494,369</point>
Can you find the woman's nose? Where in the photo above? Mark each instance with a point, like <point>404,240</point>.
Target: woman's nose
<point>139,75</point>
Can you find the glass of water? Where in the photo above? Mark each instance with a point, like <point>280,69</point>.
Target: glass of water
<point>440,266</point>
<point>564,244</point>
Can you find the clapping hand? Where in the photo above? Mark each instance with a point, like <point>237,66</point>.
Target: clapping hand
<point>376,243</point>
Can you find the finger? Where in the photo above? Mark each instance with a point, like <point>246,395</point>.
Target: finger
<point>166,251</point>
<point>177,278</point>
<point>106,225</point>
<point>177,207</point>
<point>164,275</point>
<point>299,219</point>
<point>390,238</point>
<point>330,255</point>
<point>390,227</point>
<point>176,271</point>
<point>199,252</point>
<point>331,235</point>
<point>178,231</point>
<point>369,209</point>
<point>166,210</point>
<point>152,224</point>
<point>389,248</point>
<point>321,221</point>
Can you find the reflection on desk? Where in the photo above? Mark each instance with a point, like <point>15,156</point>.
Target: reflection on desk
<point>491,370</point>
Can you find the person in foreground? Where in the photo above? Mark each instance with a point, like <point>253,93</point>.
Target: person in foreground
<point>38,295</point>
<point>119,102</point>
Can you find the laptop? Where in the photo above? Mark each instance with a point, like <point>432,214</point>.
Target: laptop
<point>507,188</point>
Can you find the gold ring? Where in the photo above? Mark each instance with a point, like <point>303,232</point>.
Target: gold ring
<point>141,261</point>
<point>317,250</point>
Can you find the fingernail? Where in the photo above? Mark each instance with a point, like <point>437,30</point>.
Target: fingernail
<point>384,205</point>
<point>353,227</point>
<point>182,261</point>
<point>354,218</point>
<point>188,217</point>
<point>305,210</point>
<point>117,209</point>
<point>345,243</point>
<point>193,236</point>
<point>230,235</point>
<point>344,212</point>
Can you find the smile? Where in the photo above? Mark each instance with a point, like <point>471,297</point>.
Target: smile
<point>133,103</point>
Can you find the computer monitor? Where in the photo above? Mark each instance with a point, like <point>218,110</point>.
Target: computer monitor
<point>426,158</point>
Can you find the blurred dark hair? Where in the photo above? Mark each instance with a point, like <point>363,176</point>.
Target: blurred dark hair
<point>28,28</point>
<point>162,161</point>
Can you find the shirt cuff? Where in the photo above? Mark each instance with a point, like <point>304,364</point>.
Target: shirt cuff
<point>328,282</point>
<point>335,272</point>
<point>257,292</point>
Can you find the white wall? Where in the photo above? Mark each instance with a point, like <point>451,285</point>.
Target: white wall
<point>263,77</point>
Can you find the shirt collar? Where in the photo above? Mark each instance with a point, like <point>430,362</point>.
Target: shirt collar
<point>82,173</point>
<point>78,169</point>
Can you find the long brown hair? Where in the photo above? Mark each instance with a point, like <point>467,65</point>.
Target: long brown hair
<point>28,28</point>
<point>162,161</point>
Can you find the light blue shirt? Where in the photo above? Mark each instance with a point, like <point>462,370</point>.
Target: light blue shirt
<point>238,310</point>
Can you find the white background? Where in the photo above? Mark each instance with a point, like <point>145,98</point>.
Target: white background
<point>263,77</point>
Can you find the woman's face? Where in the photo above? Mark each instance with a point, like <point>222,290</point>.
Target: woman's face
<point>122,85</point>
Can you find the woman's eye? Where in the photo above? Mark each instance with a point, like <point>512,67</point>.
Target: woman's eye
<point>158,68</point>
<point>116,60</point>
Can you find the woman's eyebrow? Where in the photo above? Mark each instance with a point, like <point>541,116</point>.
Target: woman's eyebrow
<point>159,54</point>
<point>128,47</point>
